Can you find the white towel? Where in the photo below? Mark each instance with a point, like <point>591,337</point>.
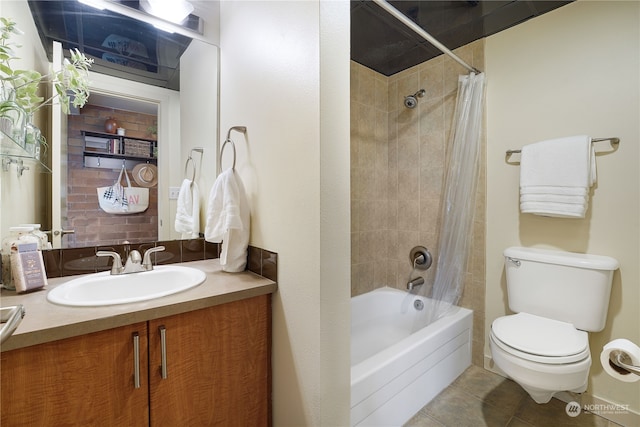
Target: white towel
<point>555,177</point>
<point>555,198</point>
<point>558,210</point>
<point>228,220</point>
<point>548,189</point>
<point>188,212</point>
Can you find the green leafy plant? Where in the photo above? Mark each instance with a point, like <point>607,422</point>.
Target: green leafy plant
<point>20,87</point>
<point>153,130</point>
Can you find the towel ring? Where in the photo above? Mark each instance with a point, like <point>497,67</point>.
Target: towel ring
<point>193,163</point>
<point>241,129</point>
<point>233,146</point>
<point>186,168</point>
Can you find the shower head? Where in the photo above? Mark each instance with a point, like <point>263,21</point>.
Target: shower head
<point>410,101</point>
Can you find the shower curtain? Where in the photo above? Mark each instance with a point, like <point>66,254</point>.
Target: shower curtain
<point>458,203</point>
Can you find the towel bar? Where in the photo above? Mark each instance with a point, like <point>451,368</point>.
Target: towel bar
<point>614,140</point>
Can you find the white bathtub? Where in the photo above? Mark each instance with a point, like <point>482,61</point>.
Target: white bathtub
<point>394,372</point>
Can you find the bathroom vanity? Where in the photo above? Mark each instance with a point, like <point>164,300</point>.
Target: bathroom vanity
<point>199,357</point>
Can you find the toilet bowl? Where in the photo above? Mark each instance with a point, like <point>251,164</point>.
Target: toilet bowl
<point>544,356</point>
<point>557,297</point>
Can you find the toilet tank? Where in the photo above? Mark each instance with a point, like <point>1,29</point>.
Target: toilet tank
<point>565,286</point>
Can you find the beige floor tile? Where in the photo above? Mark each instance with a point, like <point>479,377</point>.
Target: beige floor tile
<point>421,419</point>
<point>554,414</point>
<point>481,398</point>
<point>517,422</point>
<point>457,408</point>
<point>491,388</point>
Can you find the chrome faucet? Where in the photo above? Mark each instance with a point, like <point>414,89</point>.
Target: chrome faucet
<point>135,263</point>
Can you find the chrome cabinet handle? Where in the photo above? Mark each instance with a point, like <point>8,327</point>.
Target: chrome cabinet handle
<point>136,360</point>
<point>163,351</point>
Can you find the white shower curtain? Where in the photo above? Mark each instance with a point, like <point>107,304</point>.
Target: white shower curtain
<point>458,203</point>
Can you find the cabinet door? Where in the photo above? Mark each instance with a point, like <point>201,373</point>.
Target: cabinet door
<point>84,381</point>
<point>218,367</point>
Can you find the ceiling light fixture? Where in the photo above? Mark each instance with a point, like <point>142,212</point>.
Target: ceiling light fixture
<point>141,15</point>
<point>174,11</point>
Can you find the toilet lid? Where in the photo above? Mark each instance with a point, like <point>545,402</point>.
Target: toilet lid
<point>540,336</point>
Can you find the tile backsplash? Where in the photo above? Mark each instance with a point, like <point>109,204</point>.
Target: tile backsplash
<point>73,261</point>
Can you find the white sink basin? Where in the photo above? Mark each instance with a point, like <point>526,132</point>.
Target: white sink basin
<point>104,289</point>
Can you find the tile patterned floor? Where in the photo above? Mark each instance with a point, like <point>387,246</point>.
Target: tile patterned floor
<point>481,398</point>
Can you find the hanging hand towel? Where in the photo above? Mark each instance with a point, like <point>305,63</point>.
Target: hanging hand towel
<point>188,211</point>
<point>228,220</point>
<point>555,177</point>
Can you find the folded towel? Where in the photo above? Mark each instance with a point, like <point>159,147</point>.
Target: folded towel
<point>556,198</point>
<point>559,210</point>
<point>564,162</point>
<point>555,176</point>
<point>560,191</point>
<point>188,211</point>
<point>228,220</point>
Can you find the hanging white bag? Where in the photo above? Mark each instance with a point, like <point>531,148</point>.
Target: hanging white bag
<point>119,200</point>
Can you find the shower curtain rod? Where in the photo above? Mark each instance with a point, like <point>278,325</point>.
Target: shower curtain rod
<point>422,33</point>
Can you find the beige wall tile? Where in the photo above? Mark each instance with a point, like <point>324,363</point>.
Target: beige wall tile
<point>398,160</point>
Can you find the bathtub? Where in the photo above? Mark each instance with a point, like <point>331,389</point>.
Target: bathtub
<point>394,372</point>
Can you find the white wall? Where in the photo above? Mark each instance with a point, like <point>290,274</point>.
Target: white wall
<point>279,61</point>
<point>572,71</point>
<point>198,120</point>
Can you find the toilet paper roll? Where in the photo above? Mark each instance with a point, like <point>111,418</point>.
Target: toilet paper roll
<point>627,347</point>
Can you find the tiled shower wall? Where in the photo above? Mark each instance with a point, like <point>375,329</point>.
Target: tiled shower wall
<point>397,172</point>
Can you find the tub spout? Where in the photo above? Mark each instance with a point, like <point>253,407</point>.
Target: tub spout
<point>415,282</point>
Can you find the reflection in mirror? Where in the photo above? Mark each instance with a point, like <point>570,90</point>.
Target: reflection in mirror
<point>184,119</point>
<point>119,45</point>
<point>94,161</point>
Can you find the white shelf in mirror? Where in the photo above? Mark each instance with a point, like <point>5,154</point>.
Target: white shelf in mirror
<point>12,152</point>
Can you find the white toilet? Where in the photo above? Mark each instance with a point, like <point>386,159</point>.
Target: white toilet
<point>558,297</point>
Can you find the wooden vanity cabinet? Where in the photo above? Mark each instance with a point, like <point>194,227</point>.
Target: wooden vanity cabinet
<point>218,366</point>
<point>85,380</point>
<point>218,372</point>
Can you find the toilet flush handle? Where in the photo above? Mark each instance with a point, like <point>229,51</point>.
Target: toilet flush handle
<point>513,260</point>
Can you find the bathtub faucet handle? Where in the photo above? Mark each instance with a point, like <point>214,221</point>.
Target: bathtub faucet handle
<point>420,258</point>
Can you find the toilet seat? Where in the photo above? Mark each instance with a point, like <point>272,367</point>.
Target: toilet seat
<point>540,339</point>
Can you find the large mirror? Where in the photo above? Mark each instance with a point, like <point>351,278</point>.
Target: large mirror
<point>157,89</point>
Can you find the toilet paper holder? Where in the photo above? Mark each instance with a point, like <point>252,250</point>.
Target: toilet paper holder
<point>621,361</point>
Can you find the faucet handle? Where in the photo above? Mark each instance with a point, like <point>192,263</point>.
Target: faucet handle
<point>116,268</point>
<point>146,262</point>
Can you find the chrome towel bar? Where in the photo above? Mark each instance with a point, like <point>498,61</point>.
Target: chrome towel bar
<point>613,139</point>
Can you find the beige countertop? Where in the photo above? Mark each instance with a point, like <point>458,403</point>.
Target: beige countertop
<point>45,321</point>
